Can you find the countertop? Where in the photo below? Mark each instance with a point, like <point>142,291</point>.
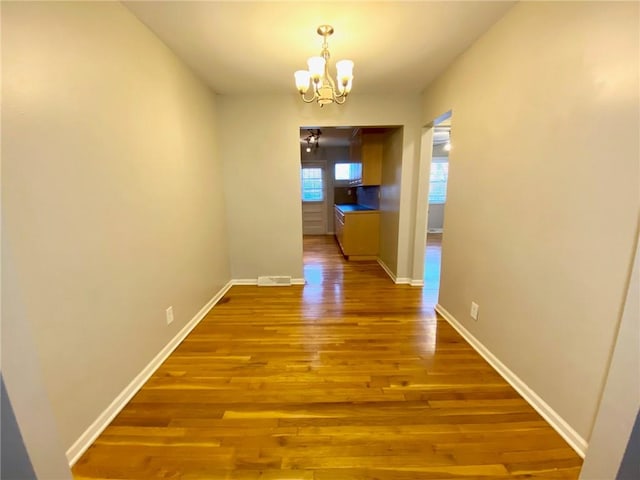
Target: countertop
<point>352,207</point>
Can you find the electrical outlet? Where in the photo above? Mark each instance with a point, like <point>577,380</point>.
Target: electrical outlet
<point>474,310</point>
<point>169,315</point>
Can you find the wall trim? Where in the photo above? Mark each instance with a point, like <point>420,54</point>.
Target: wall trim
<point>417,283</point>
<point>254,281</point>
<point>392,276</point>
<point>572,437</point>
<point>388,271</point>
<point>104,419</point>
<point>244,281</point>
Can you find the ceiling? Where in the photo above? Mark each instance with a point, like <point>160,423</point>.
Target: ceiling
<point>342,136</point>
<point>254,47</point>
<point>330,136</point>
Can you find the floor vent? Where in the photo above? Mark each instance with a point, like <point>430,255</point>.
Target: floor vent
<point>274,281</point>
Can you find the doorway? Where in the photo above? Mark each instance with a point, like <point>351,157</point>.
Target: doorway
<point>314,198</point>
<point>321,148</point>
<point>437,198</point>
<point>430,219</point>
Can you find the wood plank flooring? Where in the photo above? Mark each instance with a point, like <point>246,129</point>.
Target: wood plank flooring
<point>432,261</point>
<point>348,377</point>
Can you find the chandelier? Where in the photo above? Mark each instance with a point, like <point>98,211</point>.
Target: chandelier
<point>324,88</point>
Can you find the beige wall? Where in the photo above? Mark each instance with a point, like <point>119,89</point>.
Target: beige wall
<point>390,198</point>
<point>259,141</point>
<point>112,198</point>
<point>541,228</point>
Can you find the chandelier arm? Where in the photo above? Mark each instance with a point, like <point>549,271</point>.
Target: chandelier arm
<point>310,100</point>
<point>314,96</point>
<point>338,99</point>
<point>341,95</point>
<point>316,89</point>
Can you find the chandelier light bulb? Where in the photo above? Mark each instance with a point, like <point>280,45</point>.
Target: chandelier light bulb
<point>345,88</point>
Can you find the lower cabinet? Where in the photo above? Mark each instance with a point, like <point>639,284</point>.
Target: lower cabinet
<point>339,226</point>
<point>358,233</point>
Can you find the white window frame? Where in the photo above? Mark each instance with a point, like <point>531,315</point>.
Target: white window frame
<point>323,189</point>
<point>436,160</point>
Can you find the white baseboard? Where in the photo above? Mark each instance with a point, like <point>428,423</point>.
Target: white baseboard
<point>90,434</point>
<point>244,281</point>
<point>572,437</point>
<point>417,283</point>
<point>254,281</point>
<point>392,276</point>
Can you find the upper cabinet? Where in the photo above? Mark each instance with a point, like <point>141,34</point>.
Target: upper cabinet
<point>355,147</point>
<point>366,150</point>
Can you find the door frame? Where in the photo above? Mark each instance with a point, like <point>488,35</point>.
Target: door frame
<point>422,199</point>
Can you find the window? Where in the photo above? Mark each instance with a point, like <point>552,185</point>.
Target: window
<point>347,171</point>
<point>312,184</point>
<point>438,181</point>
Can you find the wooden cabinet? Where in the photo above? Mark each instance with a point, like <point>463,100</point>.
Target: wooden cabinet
<point>366,150</point>
<point>338,218</point>
<point>371,158</point>
<point>355,147</point>
<point>358,233</point>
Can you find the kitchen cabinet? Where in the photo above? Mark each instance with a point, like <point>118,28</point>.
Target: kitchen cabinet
<point>366,151</point>
<point>357,233</point>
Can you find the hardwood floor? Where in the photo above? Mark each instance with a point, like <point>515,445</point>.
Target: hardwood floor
<point>348,377</point>
<point>432,261</point>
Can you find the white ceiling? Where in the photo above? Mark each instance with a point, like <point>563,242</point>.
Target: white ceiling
<point>330,136</point>
<point>254,47</point>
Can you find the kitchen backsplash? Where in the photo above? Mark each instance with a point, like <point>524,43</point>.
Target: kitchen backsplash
<point>368,196</point>
<point>344,195</point>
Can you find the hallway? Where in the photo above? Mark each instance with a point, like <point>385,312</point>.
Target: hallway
<point>348,377</point>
